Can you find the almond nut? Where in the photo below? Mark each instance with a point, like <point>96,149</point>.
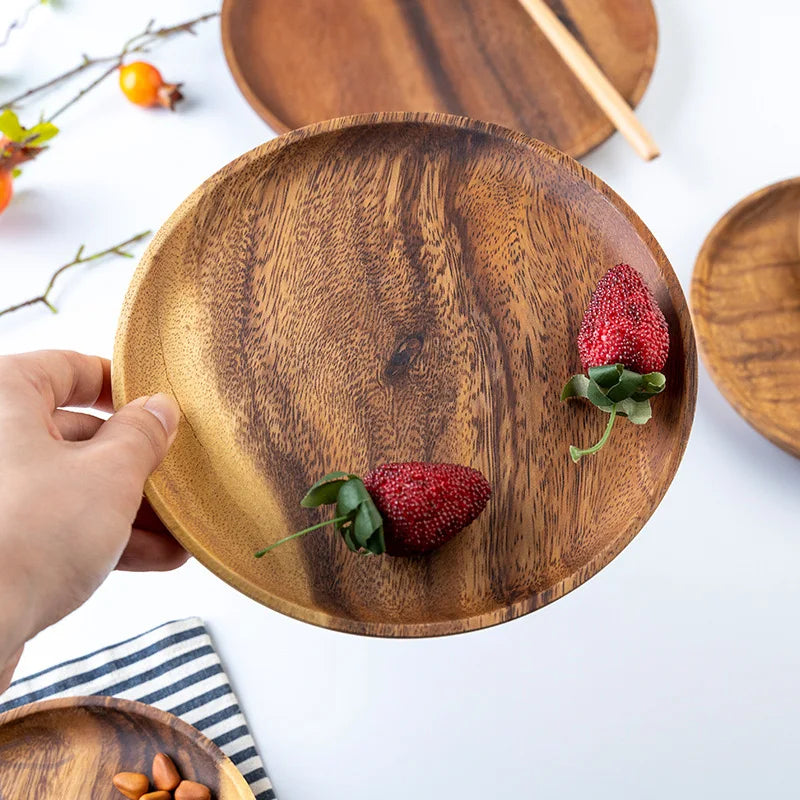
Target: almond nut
<point>189,790</point>
<point>132,784</point>
<point>165,776</point>
<point>156,796</point>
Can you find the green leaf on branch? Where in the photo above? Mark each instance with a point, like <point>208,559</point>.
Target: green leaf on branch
<point>10,126</point>
<point>14,131</point>
<point>43,132</point>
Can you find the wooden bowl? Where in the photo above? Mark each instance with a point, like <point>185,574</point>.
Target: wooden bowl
<point>746,303</point>
<point>72,747</point>
<point>302,61</point>
<point>388,288</point>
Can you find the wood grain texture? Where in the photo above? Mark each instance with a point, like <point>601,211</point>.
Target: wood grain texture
<point>72,748</point>
<point>303,61</point>
<point>746,304</point>
<point>592,78</point>
<point>388,288</point>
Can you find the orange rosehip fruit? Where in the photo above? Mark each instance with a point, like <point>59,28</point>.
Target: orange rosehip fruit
<point>6,189</point>
<point>143,85</point>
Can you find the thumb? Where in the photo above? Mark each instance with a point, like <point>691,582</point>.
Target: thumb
<point>141,432</point>
<point>7,671</point>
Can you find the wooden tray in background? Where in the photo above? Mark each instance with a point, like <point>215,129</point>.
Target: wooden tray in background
<point>388,288</point>
<point>746,303</point>
<point>303,61</point>
<point>72,747</point>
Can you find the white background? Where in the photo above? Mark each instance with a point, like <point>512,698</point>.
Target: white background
<point>675,672</point>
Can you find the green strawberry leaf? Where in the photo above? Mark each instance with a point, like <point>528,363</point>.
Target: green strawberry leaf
<point>596,395</point>
<point>363,530</point>
<point>607,376</point>
<point>377,542</point>
<point>363,526</point>
<point>653,383</point>
<point>324,491</point>
<point>351,495</point>
<point>577,386</point>
<point>629,382</point>
<point>637,412</point>
<point>347,535</point>
<point>374,514</point>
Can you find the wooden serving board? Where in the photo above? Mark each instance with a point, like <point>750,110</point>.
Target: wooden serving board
<point>72,748</point>
<point>746,302</point>
<point>388,288</point>
<point>304,61</point>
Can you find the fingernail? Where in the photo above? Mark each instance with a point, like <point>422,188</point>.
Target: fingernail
<point>164,408</point>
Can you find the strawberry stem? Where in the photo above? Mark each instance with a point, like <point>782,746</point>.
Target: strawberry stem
<point>578,454</point>
<point>333,521</point>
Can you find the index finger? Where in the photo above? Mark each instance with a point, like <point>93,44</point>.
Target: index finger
<point>60,378</point>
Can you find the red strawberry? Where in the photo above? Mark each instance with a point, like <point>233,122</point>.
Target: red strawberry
<point>425,505</point>
<point>401,509</point>
<point>623,344</point>
<point>623,324</point>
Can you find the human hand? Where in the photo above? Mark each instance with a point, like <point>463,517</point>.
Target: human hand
<point>71,485</point>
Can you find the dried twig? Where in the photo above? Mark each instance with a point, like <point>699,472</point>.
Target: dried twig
<point>19,22</point>
<point>136,44</point>
<point>80,258</point>
<point>83,91</point>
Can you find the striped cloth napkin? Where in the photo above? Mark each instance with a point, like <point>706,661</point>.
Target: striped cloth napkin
<point>173,667</point>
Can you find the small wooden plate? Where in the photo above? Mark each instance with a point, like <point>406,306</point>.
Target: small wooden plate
<point>72,747</point>
<point>390,288</point>
<point>746,304</point>
<point>302,61</point>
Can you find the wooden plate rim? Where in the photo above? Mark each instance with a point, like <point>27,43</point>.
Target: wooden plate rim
<point>136,708</point>
<point>705,338</point>
<point>445,626</point>
<point>604,130</point>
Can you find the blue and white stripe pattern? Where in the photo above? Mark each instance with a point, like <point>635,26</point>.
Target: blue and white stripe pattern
<point>173,667</point>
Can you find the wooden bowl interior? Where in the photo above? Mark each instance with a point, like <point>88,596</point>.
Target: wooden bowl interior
<point>409,290</point>
<point>302,61</point>
<point>746,301</point>
<point>73,747</point>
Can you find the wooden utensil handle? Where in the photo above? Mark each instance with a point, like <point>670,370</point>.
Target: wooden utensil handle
<point>594,81</point>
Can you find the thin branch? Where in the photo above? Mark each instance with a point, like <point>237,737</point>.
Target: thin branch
<point>18,23</point>
<point>136,44</point>
<point>85,64</point>
<point>82,92</point>
<point>80,258</point>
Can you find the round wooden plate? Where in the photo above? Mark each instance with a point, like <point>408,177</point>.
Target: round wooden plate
<point>389,288</point>
<point>72,747</point>
<point>746,304</point>
<point>302,61</point>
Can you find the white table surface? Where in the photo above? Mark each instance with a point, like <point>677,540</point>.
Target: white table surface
<point>675,672</point>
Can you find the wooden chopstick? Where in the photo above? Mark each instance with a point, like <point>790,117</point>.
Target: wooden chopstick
<point>594,81</point>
